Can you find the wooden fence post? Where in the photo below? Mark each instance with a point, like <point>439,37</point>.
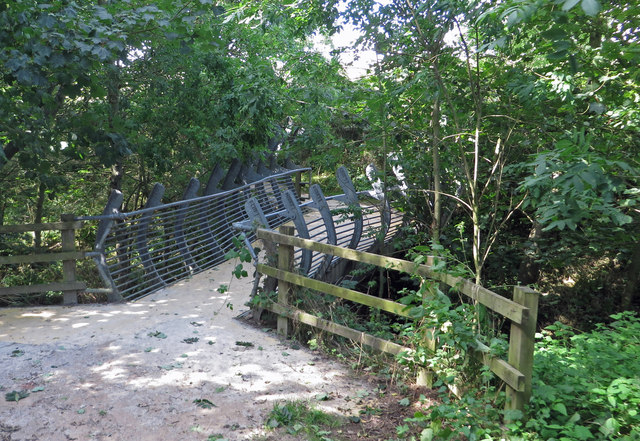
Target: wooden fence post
<point>69,266</point>
<point>285,263</point>
<point>521,346</point>
<point>426,376</point>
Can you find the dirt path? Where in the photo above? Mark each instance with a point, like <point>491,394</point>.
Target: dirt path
<point>132,371</point>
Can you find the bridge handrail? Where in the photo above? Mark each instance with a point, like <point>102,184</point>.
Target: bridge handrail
<point>142,211</point>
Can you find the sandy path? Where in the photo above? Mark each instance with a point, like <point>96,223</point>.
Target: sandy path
<point>103,374</point>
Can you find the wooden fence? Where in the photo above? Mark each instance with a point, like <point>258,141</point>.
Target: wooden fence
<point>69,286</point>
<point>521,311</point>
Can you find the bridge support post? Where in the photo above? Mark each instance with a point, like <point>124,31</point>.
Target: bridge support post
<point>285,263</point>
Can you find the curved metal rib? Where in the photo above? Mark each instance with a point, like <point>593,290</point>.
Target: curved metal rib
<point>205,219</point>
<point>230,179</point>
<point>295,213</point>
<point>320,203</point>
<point>351,199</point>
<point>190,193</point>
<point>155,199</point>
<point>212,184</point>
<point>255,212</point>
<point>104,227</point>
<point>378,193</point>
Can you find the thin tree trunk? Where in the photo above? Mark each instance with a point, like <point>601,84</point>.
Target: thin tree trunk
<point>478,262</point>
<point>113,96</point>
<point>39,214</point>
<point>117,172</point>
<point>437,189</point>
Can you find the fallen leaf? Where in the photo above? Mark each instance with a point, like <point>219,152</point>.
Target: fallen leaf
<point>191,340</point>
<point>246,344</point>
<point>157,334</point>
<point>16,395</point>
<point>203,403</point>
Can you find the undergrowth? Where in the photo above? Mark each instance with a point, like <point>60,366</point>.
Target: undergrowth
<point>300,419</point>
<point>586,385</point>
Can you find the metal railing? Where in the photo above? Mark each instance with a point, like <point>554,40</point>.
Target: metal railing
<point>141,251</point>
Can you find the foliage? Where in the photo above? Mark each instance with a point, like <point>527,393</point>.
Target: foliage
<point>572,185</point>
<point>56,56</point>
<point>586,386</point>
<point>472,417</point>
<point>16,395</point>
<point>302,420</point>
<point>263,299</point>
<point>242,253</point>
<point>203,403</point>
<point>135,91</point>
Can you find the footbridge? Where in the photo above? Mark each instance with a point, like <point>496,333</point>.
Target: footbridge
<point>142,251</point>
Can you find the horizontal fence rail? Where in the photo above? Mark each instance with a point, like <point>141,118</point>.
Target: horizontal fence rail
<point>522,311</point>
<point>70,287</point>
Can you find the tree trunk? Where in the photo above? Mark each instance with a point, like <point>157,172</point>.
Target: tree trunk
<point>478,258</point>
<point>477,241</point>
<point>113,96</point>
<point>117,171</point>
<point>437,189</point>
<point>529,269</point>
<point>9,151</point>
<point>39,214</point>
<point>633,277</point>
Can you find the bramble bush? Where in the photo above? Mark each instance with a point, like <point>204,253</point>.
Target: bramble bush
<point>586,386</point>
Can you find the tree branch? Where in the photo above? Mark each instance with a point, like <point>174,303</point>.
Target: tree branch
<point>454,197</point>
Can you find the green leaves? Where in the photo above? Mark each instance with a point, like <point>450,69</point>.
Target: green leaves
<point>157,334</point>
<point>574,184</point>
<point>567,367</point>
<point>590,7</point>
<point>204,403</point>
<point>16,395</point>
<point>190,340</point>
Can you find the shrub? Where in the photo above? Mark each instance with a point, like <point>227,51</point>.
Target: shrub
<point>587,385</point>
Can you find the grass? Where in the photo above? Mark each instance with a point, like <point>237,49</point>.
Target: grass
<point>299,418</point>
